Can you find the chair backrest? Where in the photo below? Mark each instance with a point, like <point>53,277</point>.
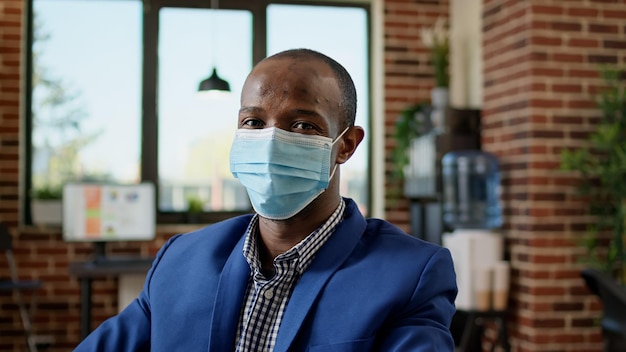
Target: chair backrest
<point>6,245</point>
<point>17,287</point>
<point>6,240</point>
<point>613,297</point>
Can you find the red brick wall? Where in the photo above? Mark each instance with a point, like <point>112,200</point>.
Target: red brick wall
<point>540,70</point>
<point>10,54</point>
<point>10,66</point>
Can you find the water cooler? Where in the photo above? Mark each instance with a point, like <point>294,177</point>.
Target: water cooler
<point>472,212</point>
<point>471,209</point>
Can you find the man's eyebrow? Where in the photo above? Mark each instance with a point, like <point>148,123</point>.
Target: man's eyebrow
<point>249,109</point>
<point>305,112</point>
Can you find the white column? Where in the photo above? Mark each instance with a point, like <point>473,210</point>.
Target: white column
<point>466,51</point>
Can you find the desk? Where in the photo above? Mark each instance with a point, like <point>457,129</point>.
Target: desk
<point>467,327</point>
<point>87,271</point>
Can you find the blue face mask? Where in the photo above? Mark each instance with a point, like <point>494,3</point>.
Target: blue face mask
<point>282,171</point>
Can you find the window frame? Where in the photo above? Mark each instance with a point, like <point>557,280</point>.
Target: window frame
<point>149,88</point>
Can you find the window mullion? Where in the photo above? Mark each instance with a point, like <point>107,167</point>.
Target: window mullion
<point>149,121</point>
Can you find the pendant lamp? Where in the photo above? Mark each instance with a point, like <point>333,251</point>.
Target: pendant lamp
<point>214,82</point>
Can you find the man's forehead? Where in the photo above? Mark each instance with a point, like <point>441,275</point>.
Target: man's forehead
<point>301,65</point>
<point>290,75</point>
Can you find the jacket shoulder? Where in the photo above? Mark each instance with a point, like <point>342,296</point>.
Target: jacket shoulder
<point>217,239</point>
<point>382,230</point>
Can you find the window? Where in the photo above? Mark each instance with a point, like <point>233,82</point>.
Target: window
<point>86,92</point>
<point>114,91</point>
<point>195,131</point>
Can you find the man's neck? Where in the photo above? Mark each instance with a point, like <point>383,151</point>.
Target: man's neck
<point>278,236</point>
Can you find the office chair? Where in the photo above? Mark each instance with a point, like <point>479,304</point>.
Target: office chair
<point>613,297</point>
<point>18,288</point>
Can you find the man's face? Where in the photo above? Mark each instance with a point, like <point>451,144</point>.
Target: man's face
<point>296,95</point>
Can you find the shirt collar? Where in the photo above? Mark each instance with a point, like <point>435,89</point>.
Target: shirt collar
<point>303,252</point>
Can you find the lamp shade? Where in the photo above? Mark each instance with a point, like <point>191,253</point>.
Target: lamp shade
<point>214,82</point>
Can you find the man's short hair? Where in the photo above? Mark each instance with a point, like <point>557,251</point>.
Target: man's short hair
<point>346,85</point>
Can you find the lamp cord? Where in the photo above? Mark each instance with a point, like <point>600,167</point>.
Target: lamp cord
<point>214,8</point>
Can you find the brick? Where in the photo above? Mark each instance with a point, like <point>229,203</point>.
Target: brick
<point>572,273</point>
<point>566,88</point>
<point>603,28</point>
<point>583,43</point>
<point>603,59</point>
<point>549,10</point>
<point>15,37</point>
<point>549,41</point>
<point>572,338</point>
<point>12,11</point>
<point>615,44</point>
<point>578,73</point>
<point>9,24</point>
<point>546,72</point>
<point>609,13</point>
<point>571,120</point>
<point>549,323</point>
<point>583,12</point>
<point>583,322</point>
<point>566,26</point>
<point>560,57</point>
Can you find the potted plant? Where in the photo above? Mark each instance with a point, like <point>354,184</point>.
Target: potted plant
<point>47,205</point>
<point>412,123</point>
<point>602,166</point>
<point>195,206</point>
<point>436,39</point>
<point>419,120</point>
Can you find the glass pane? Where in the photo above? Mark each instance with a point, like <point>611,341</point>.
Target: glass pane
<point>196,131</point>
<point>86,91</point>
<point>341,33</point>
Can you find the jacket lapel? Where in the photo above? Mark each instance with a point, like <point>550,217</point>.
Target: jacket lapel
<point>327,261</point>
<point>228,300</point>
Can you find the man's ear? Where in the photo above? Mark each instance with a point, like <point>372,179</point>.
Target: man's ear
<point>349,142</point>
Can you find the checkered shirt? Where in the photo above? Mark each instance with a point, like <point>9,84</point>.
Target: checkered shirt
<point>266,299</point>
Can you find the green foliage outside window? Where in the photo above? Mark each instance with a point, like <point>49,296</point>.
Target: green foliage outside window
<point>47,193</point>
<point>194,205</point>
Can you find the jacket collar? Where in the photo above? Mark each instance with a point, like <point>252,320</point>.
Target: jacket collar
<point>236,272</point>
<point>327,261</point>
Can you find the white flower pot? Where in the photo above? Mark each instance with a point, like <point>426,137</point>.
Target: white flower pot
<point>46,211</point>
<point>439,97</point>
<point>439,101</point>
<point>421,174</point>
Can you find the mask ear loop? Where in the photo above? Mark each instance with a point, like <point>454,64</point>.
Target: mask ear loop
<point>340,135</point>
<point>332,145</point>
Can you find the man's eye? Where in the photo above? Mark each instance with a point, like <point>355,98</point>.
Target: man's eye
<point>252,123</point>
<point>303,126</point>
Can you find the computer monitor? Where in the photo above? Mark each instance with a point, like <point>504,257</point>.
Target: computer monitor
<point>94,212</point>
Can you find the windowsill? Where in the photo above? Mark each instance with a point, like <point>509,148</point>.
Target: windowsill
<point>169,229</point>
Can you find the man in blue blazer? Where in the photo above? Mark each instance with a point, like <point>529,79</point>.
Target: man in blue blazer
<point>306,272</point>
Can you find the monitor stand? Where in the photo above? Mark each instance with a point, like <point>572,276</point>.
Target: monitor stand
<point>100,258</point>
<point>99,252</point>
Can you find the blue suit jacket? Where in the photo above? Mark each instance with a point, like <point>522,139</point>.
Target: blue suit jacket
<point>371,287</point>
